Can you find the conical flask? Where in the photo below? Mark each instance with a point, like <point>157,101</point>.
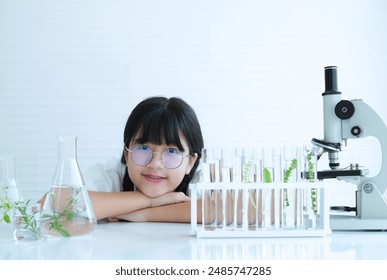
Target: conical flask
<point>8,188</point>
<point>67,209</point>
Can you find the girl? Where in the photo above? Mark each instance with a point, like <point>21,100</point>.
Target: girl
<point>162,148</point>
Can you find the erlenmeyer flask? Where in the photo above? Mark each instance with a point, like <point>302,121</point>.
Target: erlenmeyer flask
<point>67,209</point>
<point>8,188</point>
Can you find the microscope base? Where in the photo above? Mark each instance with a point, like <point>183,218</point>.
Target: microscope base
<point>341,222</point>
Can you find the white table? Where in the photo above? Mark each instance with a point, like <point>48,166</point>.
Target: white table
<point>164,241</point>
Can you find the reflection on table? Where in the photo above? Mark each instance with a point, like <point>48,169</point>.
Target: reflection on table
<point>152,241</point>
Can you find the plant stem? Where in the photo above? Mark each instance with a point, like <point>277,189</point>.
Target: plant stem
<point>67,212</point>
<point>5,207</point>
<point>288,172</point>
<point>312,179</point>
<point>28,220</point>
<point>246,172</point>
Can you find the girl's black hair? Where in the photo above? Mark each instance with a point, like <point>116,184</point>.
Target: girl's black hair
<point>159,120</point>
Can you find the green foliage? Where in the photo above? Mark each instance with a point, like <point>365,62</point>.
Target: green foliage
<point>310,168</point>
<point>311,178</point>
<point>28,220</point>
<point>266,176</point>
<point>5,207</point>
<point>247,168</point>
<point>56,224</point>
<point>67,215</point>
<point>288,172</point>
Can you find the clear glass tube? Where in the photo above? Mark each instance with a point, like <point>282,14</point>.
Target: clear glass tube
<point>9,193</point>
<point>252,192</point>
<point>310,198</point>
<point>292,199</point>
<point>228,194</point>
<point>67,209</point>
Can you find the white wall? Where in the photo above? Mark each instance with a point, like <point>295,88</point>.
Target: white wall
<point>253,70</point>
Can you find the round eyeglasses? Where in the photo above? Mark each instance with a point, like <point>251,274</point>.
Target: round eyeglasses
<point>142,155</point>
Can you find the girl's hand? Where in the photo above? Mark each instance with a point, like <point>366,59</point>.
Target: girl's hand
<point>169,198</point>
<point>42,200</point>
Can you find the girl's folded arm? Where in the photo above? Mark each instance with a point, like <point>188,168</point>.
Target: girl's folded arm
<point>113,204</point>
<point>173,213</point>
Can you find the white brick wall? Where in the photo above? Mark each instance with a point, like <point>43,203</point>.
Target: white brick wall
<point>253,70</point>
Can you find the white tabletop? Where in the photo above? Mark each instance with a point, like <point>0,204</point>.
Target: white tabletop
<point>152,241</point>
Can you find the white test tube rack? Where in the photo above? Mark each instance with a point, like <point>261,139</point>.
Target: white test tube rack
<point>229,205</point>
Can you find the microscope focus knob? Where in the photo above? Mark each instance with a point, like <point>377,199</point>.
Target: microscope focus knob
<point>344,109</point>
<point>356,131</point>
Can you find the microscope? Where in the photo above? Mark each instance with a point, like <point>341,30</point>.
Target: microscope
<point>352,119</point>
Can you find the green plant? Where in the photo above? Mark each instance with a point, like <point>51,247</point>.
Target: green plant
<point>311,178</point>
<point>27,220</point>
<point>247,168</point>
<point>266,175</point>
<point>288,172</point>
<point>55,219</point>
<point>5,207</point>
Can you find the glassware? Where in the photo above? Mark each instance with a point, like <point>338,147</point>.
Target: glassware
<point>26,221</point>
<point>211,198</point>
<point>292,203</point>
<point>311,205</point>
<point>67,209</point>
<point>249,192</point>
<point>249,175</point>
<point>271,173</point>
<point>8,188</point>
<point>227,176</point>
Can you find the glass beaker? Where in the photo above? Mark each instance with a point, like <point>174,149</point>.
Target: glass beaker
<point>9,193</point>
<point>67,209</point>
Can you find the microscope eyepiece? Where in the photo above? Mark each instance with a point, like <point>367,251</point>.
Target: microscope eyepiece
<point>331,80</point>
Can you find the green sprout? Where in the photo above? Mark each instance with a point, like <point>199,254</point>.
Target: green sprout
<point>246,178</point>
<point>288,172</point>
<point>247,170</point>
<point>28,221</point>
<point>5,207</point>
<point>67,214</point>
<point>266,175</point>
<point>311,178</point>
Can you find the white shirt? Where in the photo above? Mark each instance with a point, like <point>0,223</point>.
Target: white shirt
<point>105,177</point>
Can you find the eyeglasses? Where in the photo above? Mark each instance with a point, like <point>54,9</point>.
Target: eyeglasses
<point>171,158</point>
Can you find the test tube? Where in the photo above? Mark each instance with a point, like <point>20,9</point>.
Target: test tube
<point>272,173</point>
<point>249,175</point>
<point>216,171</point>
<point>208,203</point>
<point>310,196</point>
<point>228,194</point>
<point>213,200</point>
<point>238,165</point>
<point>292,198</point>
<point>259,179</point>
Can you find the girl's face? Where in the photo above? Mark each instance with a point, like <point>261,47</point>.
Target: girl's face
<point>154,179</point>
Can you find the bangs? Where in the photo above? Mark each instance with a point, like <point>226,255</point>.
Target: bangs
<point>160,128</point>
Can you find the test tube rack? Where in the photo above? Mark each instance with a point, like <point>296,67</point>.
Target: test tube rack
<point>228,210</point>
